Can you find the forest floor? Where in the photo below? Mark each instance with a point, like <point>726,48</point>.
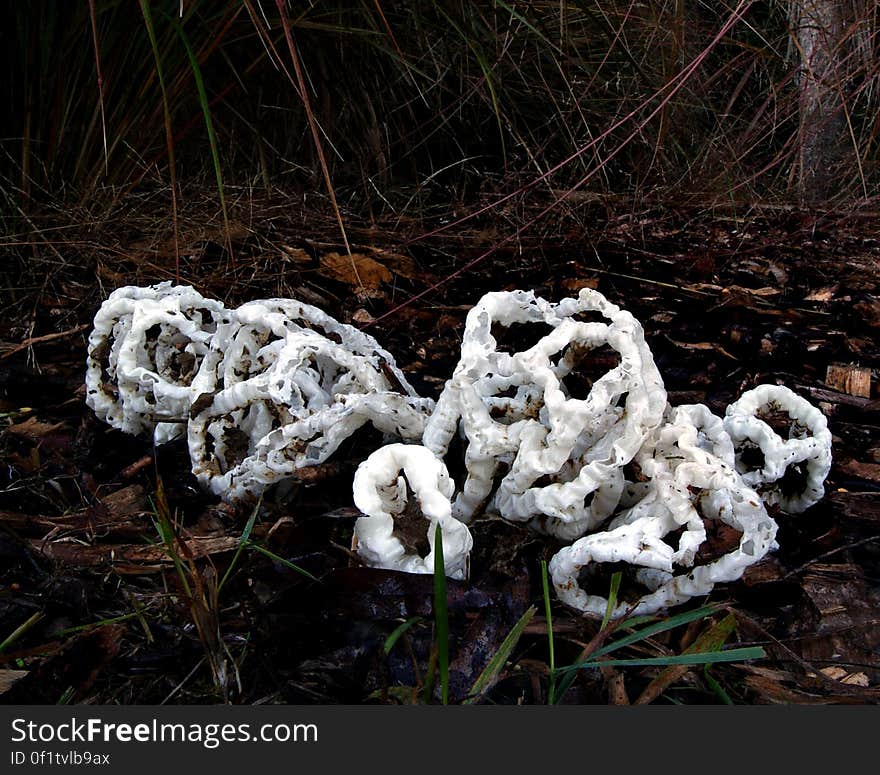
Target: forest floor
<point>93,607</point>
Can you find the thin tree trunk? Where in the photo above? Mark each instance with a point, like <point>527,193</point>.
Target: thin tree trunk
<point>819,29</point>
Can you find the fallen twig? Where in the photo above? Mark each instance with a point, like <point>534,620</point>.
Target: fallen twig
<point>31,341</point>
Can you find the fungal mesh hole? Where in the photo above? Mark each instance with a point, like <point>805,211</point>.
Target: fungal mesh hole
<point>237,443</point>
<point>751,456</point>
<point>632,472</point>
<point>721,539</point>
<point>778,419</point>
<point>673,539</point>
<point>794,481</point>
<point>206,319</point>
<point>101,354</point>
<point>519,336</point>
<point>151,341</point>
<point>183,367</point>
<point>588,500</point>
<point>209,447</point>
<point>411,527</point>
<point>595,579</point>
<point>589,316</point>
<point>454,458</point>
<point>587,365</point>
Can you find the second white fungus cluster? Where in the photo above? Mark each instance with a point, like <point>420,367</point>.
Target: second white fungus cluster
<point>567,429</point>
<point>268,388</point>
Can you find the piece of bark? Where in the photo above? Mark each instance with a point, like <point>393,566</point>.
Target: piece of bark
<point>126,501</point>
<point>862,506</point>
<point>8,678</point>
<point>852,380</point>
<point>867,471</point>
<point>81,555</point>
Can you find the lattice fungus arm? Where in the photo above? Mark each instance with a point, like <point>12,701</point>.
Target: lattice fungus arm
<point>295,413</point>
<point>516,411</point>
<point>788,469</point>
<point>683,499</point>
<point>266,389</point>
<point>383,494</point>
<point>638,544</point>
<point>250,342</point>
<point>689,434</point>
<point>144,352</point>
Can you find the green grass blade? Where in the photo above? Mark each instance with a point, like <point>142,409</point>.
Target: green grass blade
<point>209,125</point>
<point>286,563</point>
<point>569,675</point>
<point>398,631</point>
<point>548,616</point>
<point>66,696</point>
<point>719,691</point>
<point>101,623</point>
<point>245,536</point>
<point>568,678</point>
<point>499,659</point>
<point>524,21</point>
<point>20,630</point>
<point>166,532</point>
<point>703,658</point>
<point>441,615</point>
<point>637,621</point>
<point>656,629</point>
<point>711,639</point>
<point>612,599</point>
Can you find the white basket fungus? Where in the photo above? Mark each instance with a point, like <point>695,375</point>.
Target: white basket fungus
<point>384,495</point>
<point>294,414</point>
<point>561,456</point>
<point>144,352</point>
<point>790,469</point>
<point>676,503</point>
<point>568,431</point>
<point>260,391</point>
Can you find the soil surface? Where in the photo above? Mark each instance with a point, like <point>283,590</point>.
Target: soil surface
<point>95,608</point>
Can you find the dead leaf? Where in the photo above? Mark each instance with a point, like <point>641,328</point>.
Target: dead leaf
<point>33,428</point>
<point>125,502</point>
<point>712,639</point>
<point>823,294</point>
<point>574,284</point>
<point>763,293</point>
<point>296,255</point>
<point>615,685</point>
<point>400,265</point>
<point>703,288</point>
<point>357,269</point>
<point>10,677</point>
<point>850,679</point>
<point>706,346</point>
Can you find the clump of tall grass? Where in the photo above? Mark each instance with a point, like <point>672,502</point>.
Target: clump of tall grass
<point>408,104</point>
